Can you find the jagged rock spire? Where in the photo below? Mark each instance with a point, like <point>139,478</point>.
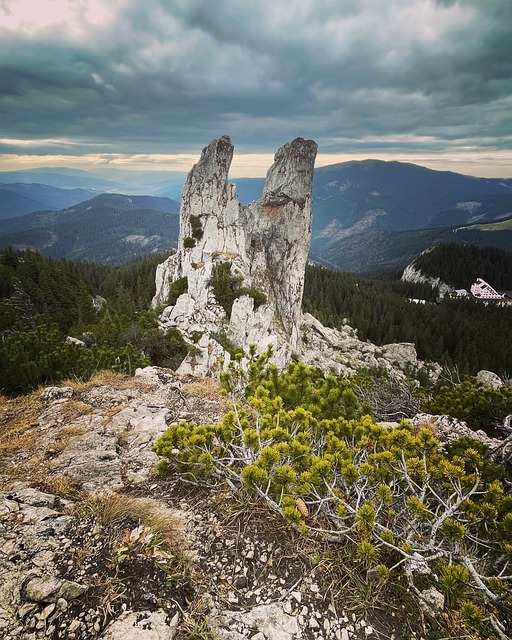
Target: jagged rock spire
<point>266,244</point>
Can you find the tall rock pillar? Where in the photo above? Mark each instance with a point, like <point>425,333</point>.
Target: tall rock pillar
<point>266,245</point>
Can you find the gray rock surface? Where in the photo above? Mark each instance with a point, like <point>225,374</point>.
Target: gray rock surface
<point>411,274</point>
<point>448,429</point>
<point>266,242</point>
<point>489,379</point>
<point>272,622</point>
<point>142,625</point>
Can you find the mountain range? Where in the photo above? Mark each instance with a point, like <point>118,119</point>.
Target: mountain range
<point>367,215</point>
<point>107,228</point>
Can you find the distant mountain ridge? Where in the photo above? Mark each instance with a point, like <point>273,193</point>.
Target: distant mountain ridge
<point>367,215</point>
<point>19,198</point>
<point>107,228</point>
<point>371,215</point>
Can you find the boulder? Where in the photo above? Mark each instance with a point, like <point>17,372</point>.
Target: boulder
<point>142,625</point>
<point>489,379</point>
<point>50,394</point>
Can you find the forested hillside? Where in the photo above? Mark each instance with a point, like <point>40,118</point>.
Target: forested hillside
<point>110,228</point>
<point>461,333</point>
<point>42,301</point>
<point>460,265</point>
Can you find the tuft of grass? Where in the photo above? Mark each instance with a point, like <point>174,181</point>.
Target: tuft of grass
<point>106,378</point>
<point>60,486</point>
<point>111,510</point>
<point>205,388</point>
<point>19,430</point>
<point>195,624</point>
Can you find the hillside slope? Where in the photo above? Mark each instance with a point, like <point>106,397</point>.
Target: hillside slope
<point>108,228</point>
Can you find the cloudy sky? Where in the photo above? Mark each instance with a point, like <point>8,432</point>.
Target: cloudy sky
<point>135,83</point>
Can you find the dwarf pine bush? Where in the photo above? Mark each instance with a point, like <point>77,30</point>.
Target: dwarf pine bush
<point>441,517</point>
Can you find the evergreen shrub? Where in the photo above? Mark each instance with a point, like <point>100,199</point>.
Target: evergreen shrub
<point>472,402</point>
<point>176,289</point>
<point>403,502</point>
<point>227,288</point>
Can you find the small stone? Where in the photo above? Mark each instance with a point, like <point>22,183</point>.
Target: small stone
<point>368,630</point>
<point>313,624</point>
<point>432,601</point>
<point>74,626</point>
<point>62,604</point>
<point>47,611</point>
<point>297,595</point>
<point>25,609</point>
<point>241,582</point>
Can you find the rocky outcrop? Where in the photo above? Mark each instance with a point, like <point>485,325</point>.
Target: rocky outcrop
<point>411,274</point>
<point>263,248</point>
<point>448,429</point>
<point>341,352</point>
<point>265,244</point>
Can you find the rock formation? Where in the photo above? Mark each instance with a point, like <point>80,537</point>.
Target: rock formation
<point>257,254</point>
<point>411,274</point>
<point>265,246</point>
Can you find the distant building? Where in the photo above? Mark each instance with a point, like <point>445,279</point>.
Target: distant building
<point>482,290</point>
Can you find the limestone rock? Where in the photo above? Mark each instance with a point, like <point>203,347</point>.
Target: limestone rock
<point>432,602</point>
<point>489,379</point>
<point>142,625</point>
<point>448,429</point>
<point>340,351</point>
<point>50,589</point>
<point>50,394</point>
<point>266,244</point>
<point>411,274</point>
<point>401,354</point>
<point>270,620</point>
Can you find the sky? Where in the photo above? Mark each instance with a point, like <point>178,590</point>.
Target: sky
<point>146,85</point>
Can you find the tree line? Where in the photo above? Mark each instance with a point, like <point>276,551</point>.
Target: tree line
<point>462,333</point>
<point>460,265</point>
<point>56,298</point>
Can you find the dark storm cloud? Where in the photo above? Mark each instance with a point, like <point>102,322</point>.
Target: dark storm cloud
<point>166,76</point>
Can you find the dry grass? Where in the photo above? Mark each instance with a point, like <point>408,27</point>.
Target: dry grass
<point>208,388</point>
<point>59,486</point>
<point>427,424</point>
<point>19,428</point>
<point>73,409</point>
<point>112,510</point>
<point>21,455</point>
<point>118,381</point>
